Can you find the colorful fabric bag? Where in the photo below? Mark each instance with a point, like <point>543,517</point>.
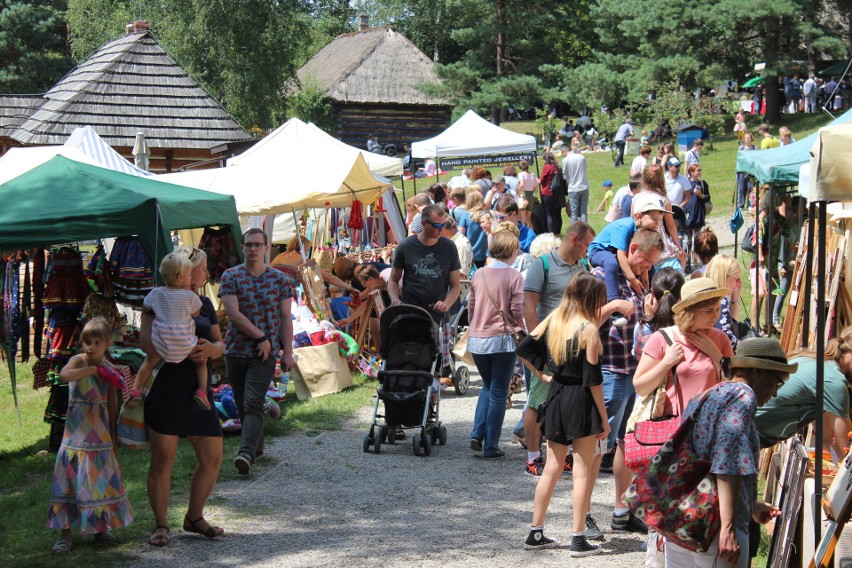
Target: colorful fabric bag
<point>676,494</point>
<point>130,430</point>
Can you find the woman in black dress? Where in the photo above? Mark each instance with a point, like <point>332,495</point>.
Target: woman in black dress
<point>171,414</point>
<point>574,411</point>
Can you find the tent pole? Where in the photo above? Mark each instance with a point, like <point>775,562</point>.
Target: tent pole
<point>820,370</point>
<point>809,273</point>
<point>437,169</point>
<point>769,303</point>
<point>402,186</point>
<point>755,290</point>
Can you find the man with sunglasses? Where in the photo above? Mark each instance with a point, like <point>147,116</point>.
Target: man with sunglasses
<point>428,265</point>
<point>257,300</point>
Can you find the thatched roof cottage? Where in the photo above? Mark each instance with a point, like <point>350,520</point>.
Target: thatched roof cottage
<point>129,85</point>
<point>370,77</point>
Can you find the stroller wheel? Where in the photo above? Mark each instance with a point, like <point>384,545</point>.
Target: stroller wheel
<point>367,442</point>
<point>377,443</point>
<point>427,445</point>
<point>391,435</point>
<point>383,433</point>
<point>442,435</point>
<point>461,380</point>
<point>415,441</point>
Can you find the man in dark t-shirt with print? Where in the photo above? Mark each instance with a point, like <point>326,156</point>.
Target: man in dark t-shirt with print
<point>428,264</point>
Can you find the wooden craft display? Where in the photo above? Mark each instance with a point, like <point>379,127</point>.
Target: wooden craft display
<point>838,508</point>
<point>790,502</point>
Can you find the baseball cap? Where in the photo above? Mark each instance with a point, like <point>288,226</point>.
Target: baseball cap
<point>608,182</point>
<point>498,179</point>
<point>648,201</point>
<point>672,162</point>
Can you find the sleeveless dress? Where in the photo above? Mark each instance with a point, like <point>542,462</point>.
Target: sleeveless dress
<point>86,490</point>
<point>569,410</point>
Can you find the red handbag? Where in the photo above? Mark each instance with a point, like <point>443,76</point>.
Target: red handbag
<point>641,445</point>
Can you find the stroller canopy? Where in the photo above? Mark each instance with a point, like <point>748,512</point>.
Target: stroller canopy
<point>407,323</point>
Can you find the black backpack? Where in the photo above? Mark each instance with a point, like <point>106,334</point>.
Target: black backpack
<point>558,187</point>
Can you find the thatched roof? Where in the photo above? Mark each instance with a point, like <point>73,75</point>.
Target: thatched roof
<point>127,86</point>
<point>14,109</point>
<point>376,65</point>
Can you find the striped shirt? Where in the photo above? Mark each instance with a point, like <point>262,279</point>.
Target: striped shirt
<point>173,329</point>
<point>624,131</point>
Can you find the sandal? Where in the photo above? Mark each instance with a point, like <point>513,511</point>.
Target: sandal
<point>200,397</point>
<point>210,532</point>
<point>62,546</point>
<point>158,539</point>
<point>105,538</point>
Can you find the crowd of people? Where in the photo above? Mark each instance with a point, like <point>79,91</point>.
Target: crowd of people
<point>611,318</point>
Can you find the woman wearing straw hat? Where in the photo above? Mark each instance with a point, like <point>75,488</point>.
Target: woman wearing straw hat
<point>693,348</point>
<point>724,434</point>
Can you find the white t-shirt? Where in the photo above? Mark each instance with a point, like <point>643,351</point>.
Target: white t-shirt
<point>676,187</point>
<point>458,181</point>
<point>692,157</point>
<point>431,167</point>
<point>639,163</point>
<point>574,170</point>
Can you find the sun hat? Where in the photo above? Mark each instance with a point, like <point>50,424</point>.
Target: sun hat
<point>648,201</point>
<point>696,291</point>
<point>762,353</point>
<point>672,162</point>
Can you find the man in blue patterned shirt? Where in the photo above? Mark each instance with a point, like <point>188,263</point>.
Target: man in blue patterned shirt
<point>618,366</point>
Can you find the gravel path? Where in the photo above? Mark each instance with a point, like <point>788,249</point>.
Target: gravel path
<point>326,503</point>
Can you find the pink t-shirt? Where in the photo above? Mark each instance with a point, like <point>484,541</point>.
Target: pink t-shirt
<point>695,373</point>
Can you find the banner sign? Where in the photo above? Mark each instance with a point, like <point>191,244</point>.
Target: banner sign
<point>486,160</point>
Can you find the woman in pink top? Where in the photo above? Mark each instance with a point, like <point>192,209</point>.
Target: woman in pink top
<point>495,307</point>
<point>696,352</point>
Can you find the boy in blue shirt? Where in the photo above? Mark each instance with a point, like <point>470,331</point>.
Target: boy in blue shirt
<point>609,248</point>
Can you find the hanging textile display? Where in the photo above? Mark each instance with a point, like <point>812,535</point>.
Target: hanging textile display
<point>11,321</point>
<point>221,249</point>
<point>38,295</point>
<point>130,271</point>
<point>97,272</point>
<point>99,306</point>
<point>65,284</point>
<point>24,312</point>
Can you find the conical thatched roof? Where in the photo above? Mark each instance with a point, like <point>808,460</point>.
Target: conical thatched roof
<point>130,85</point>
<point>376,65</point>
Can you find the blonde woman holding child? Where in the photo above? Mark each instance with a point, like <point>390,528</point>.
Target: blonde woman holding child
<point>173,330</point>
<point>574,412</point>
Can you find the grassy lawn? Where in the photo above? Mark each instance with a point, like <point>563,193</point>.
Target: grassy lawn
<point>24,538</point>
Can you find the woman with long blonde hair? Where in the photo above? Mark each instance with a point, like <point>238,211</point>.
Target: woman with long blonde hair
<point>726,272</point>
<point>469,227</point>
<point>574,412</point>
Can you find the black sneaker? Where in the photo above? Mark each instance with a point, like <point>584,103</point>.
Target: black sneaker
<point>534,468</point>
<point>629,522</point>
<point>568,468</point>
<point>537,541</point>
<point>498,456</point>
<point>475,445</point>
<point>580,546</point>
<point>606,461</point>
<point>243,464</point>
<point>592,531</point>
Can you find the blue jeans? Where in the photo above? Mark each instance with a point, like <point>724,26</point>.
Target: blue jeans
<point>618,396</point>
<point>496,371</point>
<point>609,262</point>
<point>579,203</point>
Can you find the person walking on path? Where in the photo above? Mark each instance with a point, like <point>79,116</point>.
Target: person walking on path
<point>574,171</point>
<point>257,299</point>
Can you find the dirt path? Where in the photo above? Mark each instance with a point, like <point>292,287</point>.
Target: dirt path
<point>327,503</point>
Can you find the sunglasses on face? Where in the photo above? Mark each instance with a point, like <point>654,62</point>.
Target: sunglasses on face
<point>253,245</point>
<point>437,225</point>
<point>501,217</point>
<point>193,256</point>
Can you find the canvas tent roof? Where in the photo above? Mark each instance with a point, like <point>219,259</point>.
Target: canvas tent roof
<point>65,201</point>
<point>309,170</point>
<point>273,147</point>
<point>472,135</point>
<point>780,166</point>
<point>84,145</point>
<point>831,166</point>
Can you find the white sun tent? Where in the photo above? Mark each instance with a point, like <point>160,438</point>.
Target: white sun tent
<point>472,135</point>
<point>307,169</point>
<point>84,145</point>
<point>275,145</point>
<point>831,164</point>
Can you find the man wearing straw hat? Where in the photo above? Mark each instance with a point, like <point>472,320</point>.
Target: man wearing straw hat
<point>618,366</point>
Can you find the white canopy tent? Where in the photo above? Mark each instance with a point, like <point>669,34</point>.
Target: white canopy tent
<point>84,145</point>
<point>831,164</point>
<point>472,135</point>
<point>275,145</point>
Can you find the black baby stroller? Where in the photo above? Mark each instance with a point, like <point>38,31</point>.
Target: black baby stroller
<point>410,349</point>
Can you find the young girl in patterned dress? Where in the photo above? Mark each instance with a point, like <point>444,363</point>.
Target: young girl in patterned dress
<point>86,490</point>
<point>173,330</point>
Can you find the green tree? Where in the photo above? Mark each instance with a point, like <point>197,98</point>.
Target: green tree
<point>307,102</point>
<point>241,52</point>
<point>34,51</point>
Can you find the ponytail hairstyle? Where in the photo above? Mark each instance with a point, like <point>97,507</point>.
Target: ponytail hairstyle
<point>583,298</point>
<point>665,287</point>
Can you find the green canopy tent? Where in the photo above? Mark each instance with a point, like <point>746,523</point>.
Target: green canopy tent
<point>836,69</point>
<point>751,82</point>
<point>780,166</point>
<point>64,201</point>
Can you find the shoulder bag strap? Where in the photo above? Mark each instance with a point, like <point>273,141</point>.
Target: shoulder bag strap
<point>678,393</point>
